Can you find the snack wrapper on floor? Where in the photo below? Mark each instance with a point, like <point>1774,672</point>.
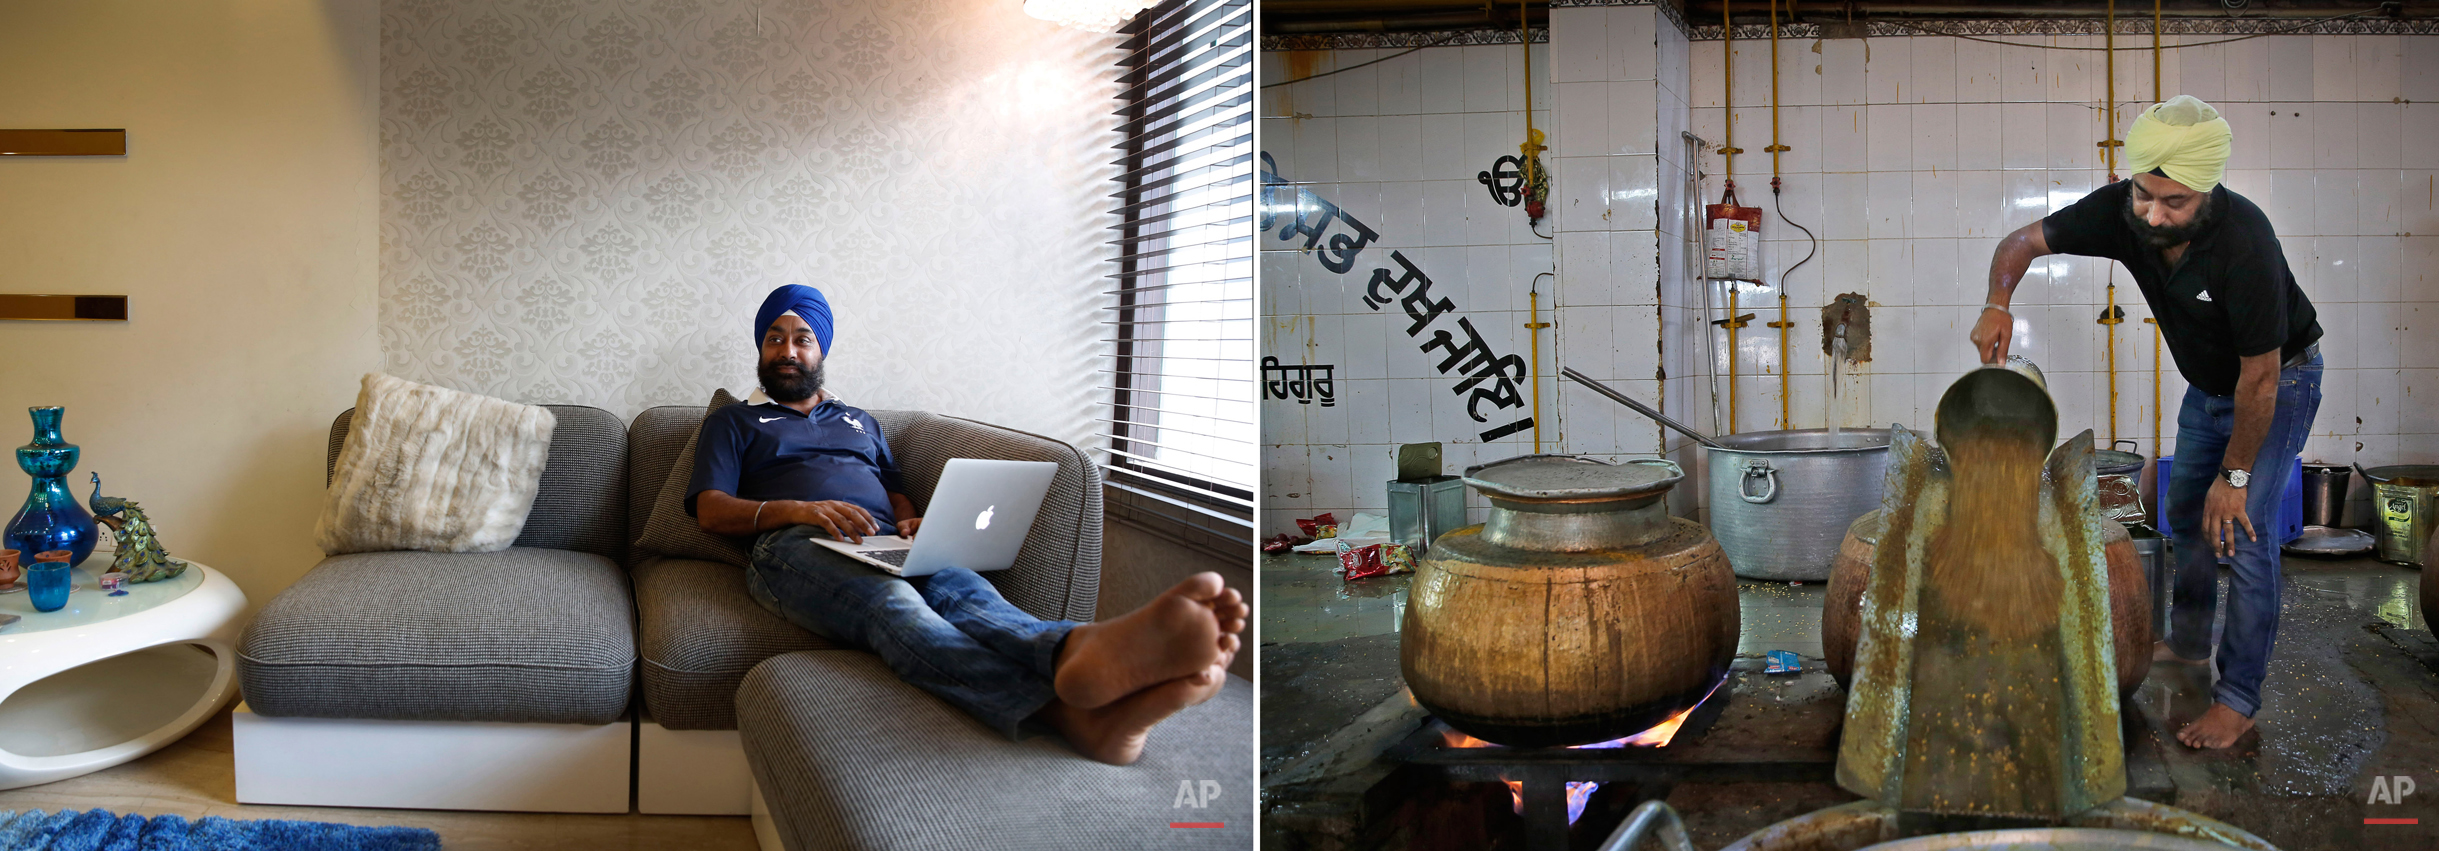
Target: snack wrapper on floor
<point>1784,662</point>
<point>1324,525</point>
<point>1373,560</point>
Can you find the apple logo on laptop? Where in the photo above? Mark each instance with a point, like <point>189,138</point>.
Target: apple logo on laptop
<point>983,521</point>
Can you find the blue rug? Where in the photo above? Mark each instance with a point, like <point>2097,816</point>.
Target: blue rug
<point>102,830</point>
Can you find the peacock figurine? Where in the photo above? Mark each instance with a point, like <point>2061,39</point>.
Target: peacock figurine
<point>140,556</point>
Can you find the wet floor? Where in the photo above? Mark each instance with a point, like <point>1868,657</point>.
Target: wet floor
<point>2352,698</point>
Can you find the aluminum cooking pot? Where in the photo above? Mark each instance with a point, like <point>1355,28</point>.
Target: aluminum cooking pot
<point>1780,501</point>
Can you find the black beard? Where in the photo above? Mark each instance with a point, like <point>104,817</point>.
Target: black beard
<point>782,388</point>
<point>2162,238</point>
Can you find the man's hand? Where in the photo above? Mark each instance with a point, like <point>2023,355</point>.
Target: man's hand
<point>845,521</point>
<point>2222,514</point>
<point>1992,334</point>
<point>907,527</point>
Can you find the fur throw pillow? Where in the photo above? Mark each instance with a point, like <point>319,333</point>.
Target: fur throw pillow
<point>434,469</point>
<point>671,531</point>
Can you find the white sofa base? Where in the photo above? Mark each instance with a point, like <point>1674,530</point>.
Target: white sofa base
<point>691,772</point>
<point>766,831</point>
<point>433,765</point>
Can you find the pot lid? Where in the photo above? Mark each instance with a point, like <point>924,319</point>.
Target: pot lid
<point>1572,478</point>
<point>2405,474</point>
<point>2116,459</point>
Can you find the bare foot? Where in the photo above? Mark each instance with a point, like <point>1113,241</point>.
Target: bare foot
<point>1115,733</point>
<point>1231,610</point>
<point>2218,728</point>
<point>2161,653</point>
<point>1175,635</point>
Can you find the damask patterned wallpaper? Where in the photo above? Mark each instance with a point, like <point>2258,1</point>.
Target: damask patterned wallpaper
<point>585,201</point>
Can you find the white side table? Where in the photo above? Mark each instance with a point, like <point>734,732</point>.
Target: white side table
<point>109,679</point>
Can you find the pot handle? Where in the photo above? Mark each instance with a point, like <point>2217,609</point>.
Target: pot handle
<point>1761,470</point>
<point>2138,446</point>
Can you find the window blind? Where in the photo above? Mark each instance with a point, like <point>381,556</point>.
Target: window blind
<point>1181,428</point>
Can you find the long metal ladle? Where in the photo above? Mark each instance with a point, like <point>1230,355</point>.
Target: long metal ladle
<point>1646,410</point>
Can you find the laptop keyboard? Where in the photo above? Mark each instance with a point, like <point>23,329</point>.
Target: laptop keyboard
<point>893,557</point>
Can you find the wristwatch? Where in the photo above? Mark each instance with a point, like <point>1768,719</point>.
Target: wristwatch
<point>2236,478</point>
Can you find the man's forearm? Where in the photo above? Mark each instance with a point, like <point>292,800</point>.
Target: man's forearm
<point>2256,406</point>
<point>721,514</point>
<point>2013,258</point>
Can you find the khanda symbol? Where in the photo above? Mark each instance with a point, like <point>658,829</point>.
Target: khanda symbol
<point>1505,181</point>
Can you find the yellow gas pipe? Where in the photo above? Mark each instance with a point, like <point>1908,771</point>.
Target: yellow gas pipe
<point>2112,315</point>
<point>2156,436</point>
<point>1532,296</point>
<point>1728,150</point>
<point>1786,387</point>
<point>1785,419</point>
<point>1534,325</point>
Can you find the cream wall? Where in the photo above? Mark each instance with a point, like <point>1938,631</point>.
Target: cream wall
<point>240,225</point>
<point>586,203</point>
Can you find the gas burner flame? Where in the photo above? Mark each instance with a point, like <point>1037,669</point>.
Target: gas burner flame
<point>1579,792</point>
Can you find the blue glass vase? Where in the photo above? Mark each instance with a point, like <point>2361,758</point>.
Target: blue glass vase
<point>52,519</point>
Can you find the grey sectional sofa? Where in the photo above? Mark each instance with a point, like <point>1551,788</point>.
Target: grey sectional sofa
<point>575,628</point>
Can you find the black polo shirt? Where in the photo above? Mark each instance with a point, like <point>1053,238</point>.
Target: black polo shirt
<point>769,451</point>
<point>2230,296</point>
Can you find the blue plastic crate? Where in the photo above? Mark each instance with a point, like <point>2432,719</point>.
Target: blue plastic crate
<point>2290,502</point>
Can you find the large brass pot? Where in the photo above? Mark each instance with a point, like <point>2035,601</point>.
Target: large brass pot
<point>1580,612</point>
<point>2129,601</point>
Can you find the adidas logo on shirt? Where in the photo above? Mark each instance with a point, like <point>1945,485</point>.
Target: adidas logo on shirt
<point>2202,296</point>
<point>852,421</point>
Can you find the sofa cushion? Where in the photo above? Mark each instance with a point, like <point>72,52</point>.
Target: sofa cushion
<point>700,632</point>
<point>435,469</point>
<point>582,503</point>
<point>849,757</point>
<point>521,635</point>
<point>669,530</point>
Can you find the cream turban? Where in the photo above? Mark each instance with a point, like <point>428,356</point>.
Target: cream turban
<point>2185,139</point>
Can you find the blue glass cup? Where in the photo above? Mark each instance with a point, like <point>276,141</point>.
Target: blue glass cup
<point>46,584</point>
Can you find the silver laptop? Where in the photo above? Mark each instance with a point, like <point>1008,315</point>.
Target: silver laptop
<point>977,520</point>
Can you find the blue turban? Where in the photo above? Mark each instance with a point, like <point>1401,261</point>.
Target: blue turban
<point>806,302</point>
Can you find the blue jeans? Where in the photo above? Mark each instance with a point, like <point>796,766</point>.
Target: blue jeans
<point>949,633</point>
<point>2203,429</point>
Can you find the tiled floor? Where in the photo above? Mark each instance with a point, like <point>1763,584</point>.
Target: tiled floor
<point>195,778</point>
<point>2353,694</point>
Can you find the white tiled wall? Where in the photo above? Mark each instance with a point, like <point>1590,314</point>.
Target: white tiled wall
<point>1397,145</point>
<point>1913,155</point>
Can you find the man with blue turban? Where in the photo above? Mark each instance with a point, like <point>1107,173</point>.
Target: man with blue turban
<point>803,464</point>
<point>2246,340</point>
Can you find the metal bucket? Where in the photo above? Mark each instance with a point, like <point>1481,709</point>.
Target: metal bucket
<point>1780,501</point>
<point>2404,506</point>
<point>2324,494</point>
<point>2118,476</point>
<point>2152,547</point>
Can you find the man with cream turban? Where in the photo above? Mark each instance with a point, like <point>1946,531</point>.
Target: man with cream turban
<point>2245,339</point>
<point>794,464</point>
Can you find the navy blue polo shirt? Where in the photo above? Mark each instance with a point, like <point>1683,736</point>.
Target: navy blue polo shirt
<point>769,451</point>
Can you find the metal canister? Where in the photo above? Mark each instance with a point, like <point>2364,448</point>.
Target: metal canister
<point>2404,498</point>
<point>1421,510</point>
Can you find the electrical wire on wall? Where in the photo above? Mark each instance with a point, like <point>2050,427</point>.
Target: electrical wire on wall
<point>1778,203</point>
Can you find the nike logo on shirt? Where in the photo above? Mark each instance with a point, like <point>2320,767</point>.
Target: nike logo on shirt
<point>768,419</point>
